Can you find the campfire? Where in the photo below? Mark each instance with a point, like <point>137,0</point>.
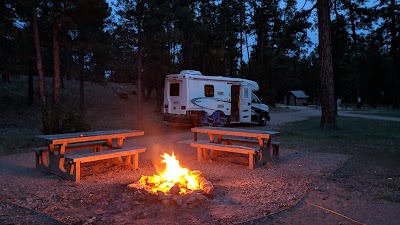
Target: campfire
<point>175,185</point>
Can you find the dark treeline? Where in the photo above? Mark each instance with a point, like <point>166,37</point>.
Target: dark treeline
<point>265,41</point>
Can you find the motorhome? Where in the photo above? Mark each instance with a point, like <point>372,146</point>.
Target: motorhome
<point>190,96</point>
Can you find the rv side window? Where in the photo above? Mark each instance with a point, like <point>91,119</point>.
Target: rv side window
<point>174,89</point>
<point>209,90</point>
<point>246,93</point>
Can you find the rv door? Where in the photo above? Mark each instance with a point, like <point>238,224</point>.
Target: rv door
<point>175,97</point>
<point>245,103</point>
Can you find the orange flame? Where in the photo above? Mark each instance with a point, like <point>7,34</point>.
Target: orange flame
<point>173,175</point>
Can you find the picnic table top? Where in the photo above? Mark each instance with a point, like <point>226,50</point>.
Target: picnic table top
<point>93,135</point>
<point>232,131</point>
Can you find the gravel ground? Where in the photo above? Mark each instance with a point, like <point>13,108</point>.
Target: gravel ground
<point>102,197</point>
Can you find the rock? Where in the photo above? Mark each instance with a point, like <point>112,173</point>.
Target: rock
<point>177,200</point>
<point>136,186</point>
<point>166,202</point>
<point>191,199</point>
<point>163,196</point>
<point>201,179</point>
<point>175,190</point>
<point>200,198</point>
<point>152,198</point>
<point>139,196</point>
<point>207,187</point>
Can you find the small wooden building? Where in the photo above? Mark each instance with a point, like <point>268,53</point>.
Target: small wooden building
<point>298,98</point>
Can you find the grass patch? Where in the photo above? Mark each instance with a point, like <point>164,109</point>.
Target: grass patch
<point>390,113</point>
<point>354,136</point>
<point>373,145</point>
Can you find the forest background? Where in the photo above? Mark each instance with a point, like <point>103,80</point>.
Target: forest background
<point>83,40</point>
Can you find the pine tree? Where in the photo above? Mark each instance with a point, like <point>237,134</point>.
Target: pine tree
<point>328,106</point>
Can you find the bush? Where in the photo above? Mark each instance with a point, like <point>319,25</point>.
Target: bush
<point>64,119</point>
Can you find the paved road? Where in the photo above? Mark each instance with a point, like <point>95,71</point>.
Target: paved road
<point>299,113</point>
<point>303,113</point>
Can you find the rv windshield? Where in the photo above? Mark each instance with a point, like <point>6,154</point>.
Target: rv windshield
<point>255,99</point>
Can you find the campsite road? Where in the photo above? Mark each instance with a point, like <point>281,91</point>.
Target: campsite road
<point>303,113</point>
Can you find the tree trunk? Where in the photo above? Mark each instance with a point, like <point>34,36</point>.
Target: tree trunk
<point>139,9</point>
<point>42,91</point>
<point>139,88</point>
<point>82,85</point>
<point>328,117</point>
<point>30,89</point>
<point>56,113</point>
<point>56,55</point>
<point>394,53</point>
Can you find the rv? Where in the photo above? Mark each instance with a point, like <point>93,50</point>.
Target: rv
<point>189,97</point>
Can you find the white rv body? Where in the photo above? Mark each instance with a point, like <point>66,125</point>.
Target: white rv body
<point>189,96</point>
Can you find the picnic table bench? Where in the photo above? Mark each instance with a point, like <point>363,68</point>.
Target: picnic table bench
<point>41,152</point>
<point>74,161</point>
<point>52,158</point>
<point>258,154</point>
<point>274,144</point>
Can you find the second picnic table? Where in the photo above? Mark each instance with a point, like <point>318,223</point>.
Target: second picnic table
<point>226,136</point>
<point>58,144</point>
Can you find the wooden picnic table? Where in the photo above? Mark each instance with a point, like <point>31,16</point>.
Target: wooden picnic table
<point>221,139</point>
<point>58,144</point>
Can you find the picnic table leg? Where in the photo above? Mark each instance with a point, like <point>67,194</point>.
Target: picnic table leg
<point>61,158</point>
<point>258,158</point>
<point>43,159</point>
<point>77,171</point>
<point>195,136</point>
<point>261,142</point>
<point>53,158</point>
<point>56,161</point>
<point>199,154</point>
<point>251,161</point>
<point>120,142</point>
<point>211,137</point>
<point>136,161</point>
<point>269,147</point>
<point>109,143</point>
<point>205,153</point>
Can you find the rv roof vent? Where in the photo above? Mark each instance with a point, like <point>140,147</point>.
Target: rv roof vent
<point>191,72</point>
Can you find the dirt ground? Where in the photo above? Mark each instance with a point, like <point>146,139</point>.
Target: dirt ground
<point>301,187</point>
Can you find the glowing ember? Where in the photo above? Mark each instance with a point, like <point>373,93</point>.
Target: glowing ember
<point>174,176</point>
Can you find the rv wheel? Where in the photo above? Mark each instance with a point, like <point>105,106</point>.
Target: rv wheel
<point>262,120</point>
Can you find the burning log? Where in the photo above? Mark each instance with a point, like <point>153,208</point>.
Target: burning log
<point>176,186</point>
<point>206,186</point>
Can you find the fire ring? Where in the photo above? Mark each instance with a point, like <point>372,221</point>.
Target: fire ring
<point>175,186</point>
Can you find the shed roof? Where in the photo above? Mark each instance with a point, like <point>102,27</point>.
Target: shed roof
<point>298,94</point>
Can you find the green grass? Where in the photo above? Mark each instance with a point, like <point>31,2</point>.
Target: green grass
<point>354,136</point>
<point>373,144</point>
<point>394,113</point>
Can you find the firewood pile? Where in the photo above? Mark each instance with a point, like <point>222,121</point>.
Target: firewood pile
<point>177,195</point>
